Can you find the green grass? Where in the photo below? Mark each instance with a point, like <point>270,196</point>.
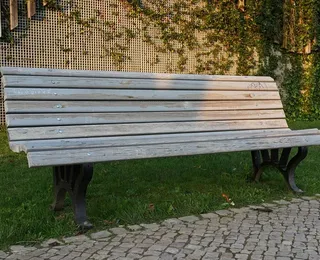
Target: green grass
<point>122,192</point>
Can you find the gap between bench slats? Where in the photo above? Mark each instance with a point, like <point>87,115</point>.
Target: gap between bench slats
<point>27,106</point>
<point>61,157</point>
<point>142,128</point>
<point>73,82</point>
<point>121,94</point>
<point>136,117</point>
<point>53,144</point>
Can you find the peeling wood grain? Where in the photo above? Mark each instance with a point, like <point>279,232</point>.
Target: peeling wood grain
<point>120,83</point>
<point>126,94</point>
<point>128,75</point>
<point>116,141</point>
<point>24,120</point>
<point>58,106</point>
<point>134,129</point>
<point>101,154</point>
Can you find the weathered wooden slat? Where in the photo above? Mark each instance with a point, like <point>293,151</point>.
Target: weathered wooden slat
<point>121,94</point>
<point>129,75</point>
<point>57,119</point>
<point>13,14</point>
<point>137,106</point>
<point>30,133</point>
<point>80,143</point>
<point>73,156</point>
<point>31,8</point>
<point>120,83</point>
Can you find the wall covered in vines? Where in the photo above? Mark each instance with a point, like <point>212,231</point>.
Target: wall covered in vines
<point>267,37</point>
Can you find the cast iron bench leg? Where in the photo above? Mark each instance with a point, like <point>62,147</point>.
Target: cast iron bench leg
<point>286,167</point>
<point>73,179</point>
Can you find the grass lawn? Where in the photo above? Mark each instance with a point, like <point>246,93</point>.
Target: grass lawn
<point>138,191</point>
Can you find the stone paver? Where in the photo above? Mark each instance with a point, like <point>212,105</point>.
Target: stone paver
<point>290,231</point>
<point>189,218</point>
<point>101,234</point>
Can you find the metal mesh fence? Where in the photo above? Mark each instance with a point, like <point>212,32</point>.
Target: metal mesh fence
<point>116,41</point>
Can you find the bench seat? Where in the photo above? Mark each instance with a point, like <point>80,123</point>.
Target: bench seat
<point>70,119</point>
<point>100,149</point>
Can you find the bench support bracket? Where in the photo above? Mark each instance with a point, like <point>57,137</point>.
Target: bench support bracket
<point>73,179</point>
<point>263,158</point>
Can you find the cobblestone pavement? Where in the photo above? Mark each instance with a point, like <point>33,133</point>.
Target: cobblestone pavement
<point>282,230</point>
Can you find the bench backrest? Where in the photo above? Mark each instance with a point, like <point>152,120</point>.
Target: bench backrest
<point>52,104</point>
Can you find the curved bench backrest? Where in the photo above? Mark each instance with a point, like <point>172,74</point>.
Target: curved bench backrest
<point>51,104</point>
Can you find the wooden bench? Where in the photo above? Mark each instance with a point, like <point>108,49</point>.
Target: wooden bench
<point>70,119</point>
